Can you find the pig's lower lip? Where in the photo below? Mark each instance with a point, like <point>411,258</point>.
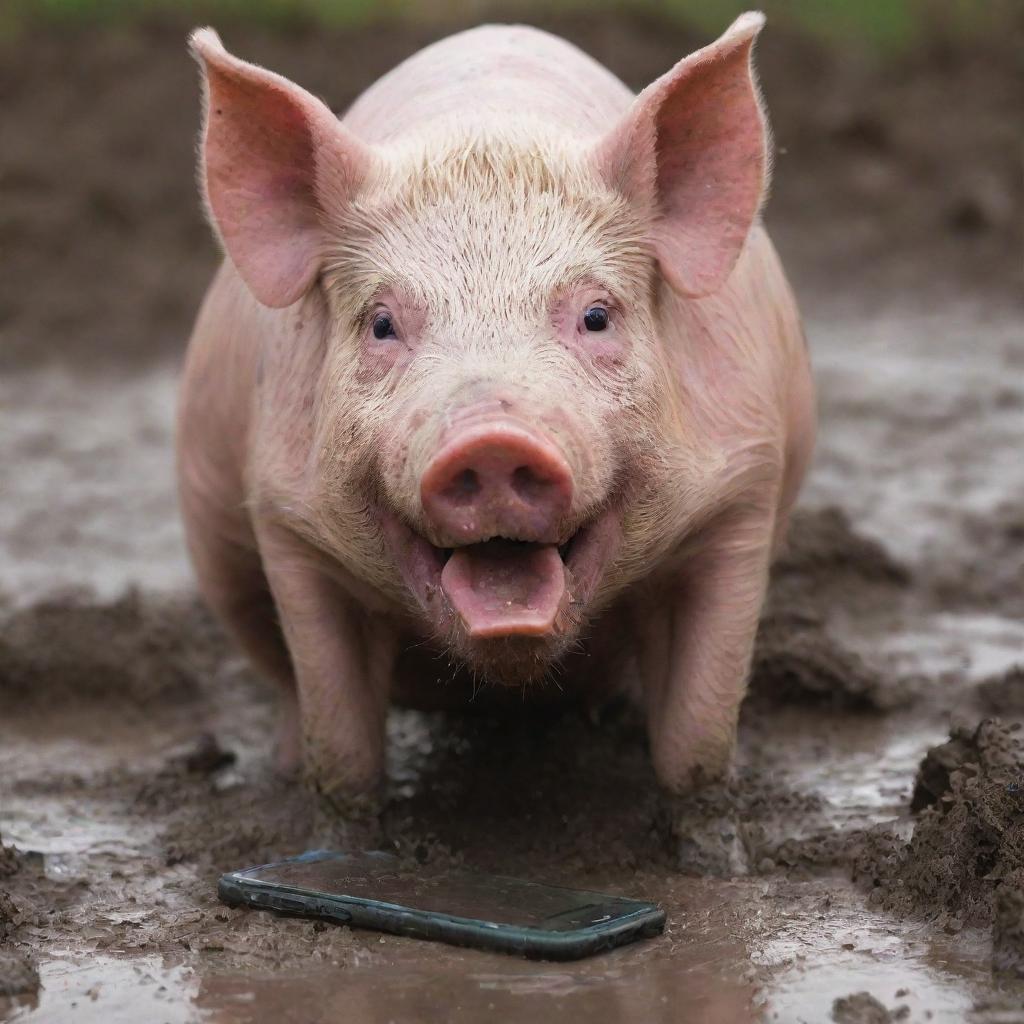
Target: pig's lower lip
<point>501,587</point>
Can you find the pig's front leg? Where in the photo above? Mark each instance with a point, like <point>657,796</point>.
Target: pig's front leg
<point>696,665</point>
<point>343,661</point>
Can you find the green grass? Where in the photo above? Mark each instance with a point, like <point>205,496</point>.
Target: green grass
<point>885,24</point>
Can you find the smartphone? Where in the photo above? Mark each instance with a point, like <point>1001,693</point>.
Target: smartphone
<point>377,890</point>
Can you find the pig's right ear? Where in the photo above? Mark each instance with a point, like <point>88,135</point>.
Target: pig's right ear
<point>275,165</point>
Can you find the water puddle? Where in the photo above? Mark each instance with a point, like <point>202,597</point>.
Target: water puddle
<point>728,958</point>
<point>107,990</point>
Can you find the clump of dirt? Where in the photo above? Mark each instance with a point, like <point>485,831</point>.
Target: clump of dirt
<point>743,824</point>
<point>991,577</point>
<point>962,863</point>
<point>825,564</point>
<point>8,914</point>
<point>832,848</point>
<point>822,545</point>
<point>991,746</point>
<point>10,861</point>
<point>243,938</point>
<point>18,974</point>
<point>134,650</point>
<point>797,659</point>
<point>967,847</point>
<point>1004,694</point>
<point>864,1008</point>
<point>1008,931</point>
<point>205,757</point>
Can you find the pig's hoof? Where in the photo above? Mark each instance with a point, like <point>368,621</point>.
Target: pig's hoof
<point>347,824</point>
<point>713,848</point>
<point>705,833</point>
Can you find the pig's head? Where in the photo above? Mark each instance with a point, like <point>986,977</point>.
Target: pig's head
<point>497,442</point>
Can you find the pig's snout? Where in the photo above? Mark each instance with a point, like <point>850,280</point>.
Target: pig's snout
<point>497,481</point>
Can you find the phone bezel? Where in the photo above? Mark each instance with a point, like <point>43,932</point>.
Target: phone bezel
<point>643,920</point>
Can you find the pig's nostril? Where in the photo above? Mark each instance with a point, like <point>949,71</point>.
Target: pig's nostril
<point>465,486</point>
<point>496,483</point>
<point>528,485</point>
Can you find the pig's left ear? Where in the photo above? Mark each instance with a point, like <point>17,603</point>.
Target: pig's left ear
<point>276,165</point>
<point>692,149</point>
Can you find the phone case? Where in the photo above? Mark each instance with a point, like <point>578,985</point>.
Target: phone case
<point>643,920</point>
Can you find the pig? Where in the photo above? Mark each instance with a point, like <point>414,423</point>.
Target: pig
<point>500,385</point>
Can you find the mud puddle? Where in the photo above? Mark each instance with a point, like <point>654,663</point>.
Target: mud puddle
<point>92,990</point>
<point>116,902</point>
<point>714,978</point>
<point>125,819</point>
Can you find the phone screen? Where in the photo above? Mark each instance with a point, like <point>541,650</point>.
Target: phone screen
<point>383,878</point>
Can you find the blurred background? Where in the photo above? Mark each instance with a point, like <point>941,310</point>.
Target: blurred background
<point>898,134</point>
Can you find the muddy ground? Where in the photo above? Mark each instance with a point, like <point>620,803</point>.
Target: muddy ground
<point>134,744</point>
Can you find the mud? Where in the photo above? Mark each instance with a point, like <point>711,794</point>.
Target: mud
<point>132,650</point>
<point>995,581</point>
<point>1008,931</point>
<point>18,975</point>
<point>824,553</point>
<point>965,856</point>
<point>864,1008</point>
<point>1004,694</point>
<point>798,657</point>
<point>960,863</point>
<point>135,744</point>
<point>10,860</point>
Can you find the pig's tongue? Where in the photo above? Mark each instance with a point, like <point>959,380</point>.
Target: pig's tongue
<point>505,589</point>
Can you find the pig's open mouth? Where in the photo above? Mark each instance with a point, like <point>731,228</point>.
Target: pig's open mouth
<point>504,588</point>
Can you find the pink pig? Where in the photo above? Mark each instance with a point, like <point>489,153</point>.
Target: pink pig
<point>501,368</point>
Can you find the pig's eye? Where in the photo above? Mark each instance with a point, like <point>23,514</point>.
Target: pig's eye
<point>383,326</point>
<point>595,318</point>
